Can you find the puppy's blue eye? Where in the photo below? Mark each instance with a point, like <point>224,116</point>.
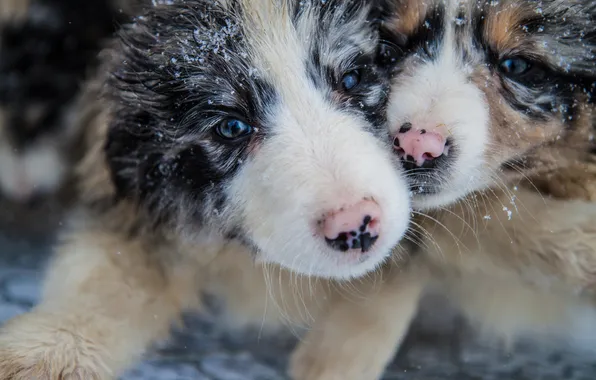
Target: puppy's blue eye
<point>515,66</point>
<point>233,129</point>
<point>350,80</point>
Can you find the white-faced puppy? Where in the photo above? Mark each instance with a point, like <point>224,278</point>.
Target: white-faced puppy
<point>482,85</point>
<point>214,135</point>
<point>483,93</point>
<point>46,48</point>
<point>261,122</point>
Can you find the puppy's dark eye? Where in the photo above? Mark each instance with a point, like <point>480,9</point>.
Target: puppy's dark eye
<point>233,129</point>
<point>350,80</point>
<point>515,66</point>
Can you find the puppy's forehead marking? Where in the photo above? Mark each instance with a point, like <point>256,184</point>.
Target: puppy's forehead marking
<point>498,24</point>
<point>285,41</point>
<point>273,40</point>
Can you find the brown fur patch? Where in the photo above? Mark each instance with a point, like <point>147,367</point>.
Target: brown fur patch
<point>543,145</point>
<point>409,16</point>
<point>510,130</point>
<point>503,30</point>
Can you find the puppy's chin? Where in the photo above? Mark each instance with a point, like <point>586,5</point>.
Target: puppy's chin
<point>425,202</point>
<point>350,266</point>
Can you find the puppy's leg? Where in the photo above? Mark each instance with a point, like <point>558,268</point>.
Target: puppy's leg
<point>522,271</point>
<point>508,309</point>
<point>106,299</point>
<point>355,339</point>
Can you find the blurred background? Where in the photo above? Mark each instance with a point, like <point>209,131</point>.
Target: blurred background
<point>47,49</point>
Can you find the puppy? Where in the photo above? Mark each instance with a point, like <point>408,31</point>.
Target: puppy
<point>485,96</point>
<point>46,49</point>
<point>254,124</point>
<point>480,87</point>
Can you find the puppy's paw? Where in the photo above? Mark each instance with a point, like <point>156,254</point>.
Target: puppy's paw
<point>304,365</point>
<point>44,371</point>
<point>348,361</point>
<point>34,348</point>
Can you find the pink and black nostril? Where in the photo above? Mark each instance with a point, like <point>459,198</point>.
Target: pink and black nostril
<point>361,239</point>
<point>353,228</point>
<point>421,148</point>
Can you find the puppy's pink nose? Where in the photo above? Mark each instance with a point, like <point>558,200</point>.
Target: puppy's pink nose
<point>419,145</point>
<point>353,227</point>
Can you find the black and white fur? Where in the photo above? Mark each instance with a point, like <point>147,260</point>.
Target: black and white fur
<point>224,128</point>
<point>183,71</point>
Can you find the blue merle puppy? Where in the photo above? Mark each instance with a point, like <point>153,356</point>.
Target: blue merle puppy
<point>259,124</point>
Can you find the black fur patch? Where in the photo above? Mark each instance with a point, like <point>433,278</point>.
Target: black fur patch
<point>180,72</point>
<point>43,59</point>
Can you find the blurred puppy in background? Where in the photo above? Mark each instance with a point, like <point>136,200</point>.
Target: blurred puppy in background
<point>46,49</point>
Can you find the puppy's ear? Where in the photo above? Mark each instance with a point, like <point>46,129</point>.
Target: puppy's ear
<point>122,159</point>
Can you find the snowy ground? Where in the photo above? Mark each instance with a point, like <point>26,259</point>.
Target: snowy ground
<point>433,350</point>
